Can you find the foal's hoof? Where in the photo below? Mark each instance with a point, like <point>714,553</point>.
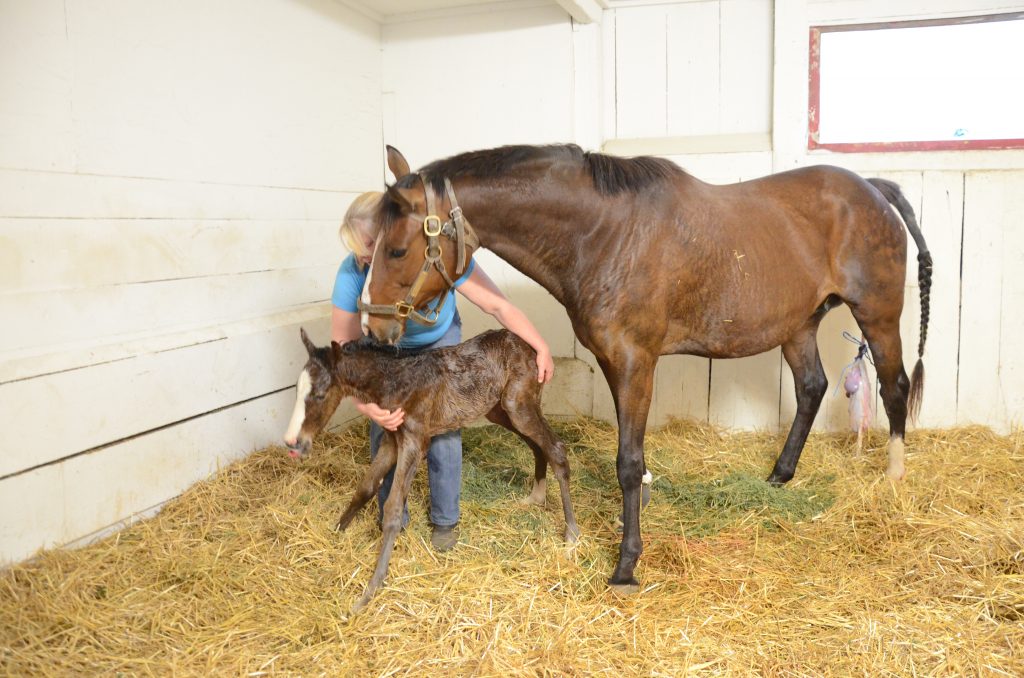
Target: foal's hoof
<point>629,589</point>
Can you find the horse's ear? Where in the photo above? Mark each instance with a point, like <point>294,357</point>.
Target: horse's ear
<point>405,197</point>
<point>336,351</point>
<point>397,163</point>
<point>305,340</point>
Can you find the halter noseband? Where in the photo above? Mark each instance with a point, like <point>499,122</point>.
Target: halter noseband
<point>457,228</point>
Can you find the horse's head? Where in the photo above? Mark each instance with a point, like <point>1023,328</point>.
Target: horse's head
<point>318,394</point>
<point>419,252</point>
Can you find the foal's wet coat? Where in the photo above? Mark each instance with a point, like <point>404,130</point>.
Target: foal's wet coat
<point>492,375</point>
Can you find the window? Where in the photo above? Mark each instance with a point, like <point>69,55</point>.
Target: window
<point>920,85</point>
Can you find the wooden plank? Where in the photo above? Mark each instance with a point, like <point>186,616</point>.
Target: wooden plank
<point>865,11</point>
<point>1011,326</point>
<point>56,504</point>
<point>987,393</point>
<point>104,403</point>
<point>522,91</point>
<point>693,98</point>
<point>941,219</point>
<point>32,194</point>
<point>745,392</point>
<point>745,97</point>
<point>681,386</point>
<point>245,114</point>
<point>640,72</point>
<point>37,255</point>
<point>36,125</point>
<point>51,321</point>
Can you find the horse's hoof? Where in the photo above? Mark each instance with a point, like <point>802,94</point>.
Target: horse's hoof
<point>896,474</point>
<point>778,480</point>
<point>625,589</point>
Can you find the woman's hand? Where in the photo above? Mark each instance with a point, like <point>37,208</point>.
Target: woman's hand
<point>386,419</point>
<point>545,366</point>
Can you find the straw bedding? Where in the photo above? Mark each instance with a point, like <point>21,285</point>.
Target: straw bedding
<point>839,573</point>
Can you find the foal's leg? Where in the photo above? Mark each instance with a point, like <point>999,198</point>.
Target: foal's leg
<point>521,403</point>
<point>540,464</point>
<point>371,480</point>
<point>410,450</point>
<point>801,352</point>
<point>630,374</point>
<point>882,330</point>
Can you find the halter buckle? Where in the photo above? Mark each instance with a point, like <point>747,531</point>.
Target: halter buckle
<point>403,309</point>
<point>436,231</point>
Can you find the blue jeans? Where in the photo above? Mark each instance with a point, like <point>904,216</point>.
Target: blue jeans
<point>444,458</point>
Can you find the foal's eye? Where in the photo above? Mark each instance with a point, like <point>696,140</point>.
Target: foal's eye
<point>396,254</point>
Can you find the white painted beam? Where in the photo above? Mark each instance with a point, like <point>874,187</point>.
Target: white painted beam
<point>582,11</point>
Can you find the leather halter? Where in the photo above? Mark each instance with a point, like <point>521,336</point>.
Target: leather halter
<point>457,228</point>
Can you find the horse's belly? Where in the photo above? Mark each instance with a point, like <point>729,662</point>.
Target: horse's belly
<point>737,333</point>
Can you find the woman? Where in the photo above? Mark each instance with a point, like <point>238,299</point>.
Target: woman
<point>444,459</point>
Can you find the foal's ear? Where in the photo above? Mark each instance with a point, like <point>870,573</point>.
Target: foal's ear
<point>336,351</point>
<point>305,340</point>
<point>397,163</point>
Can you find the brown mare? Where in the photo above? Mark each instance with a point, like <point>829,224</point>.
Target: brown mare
<point>494,374</point>
<point>643,257</point>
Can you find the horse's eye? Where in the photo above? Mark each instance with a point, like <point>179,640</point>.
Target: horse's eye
<point>396,254</point>
<point>317,397</point>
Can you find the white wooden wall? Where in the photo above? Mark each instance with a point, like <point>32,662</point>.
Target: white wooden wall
<point>720,87</point>
<point>172,176</point>
<point>171,180</point>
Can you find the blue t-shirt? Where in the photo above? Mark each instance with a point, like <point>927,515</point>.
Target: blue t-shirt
<point>348,286</point>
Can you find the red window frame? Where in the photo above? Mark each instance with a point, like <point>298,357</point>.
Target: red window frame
<point>814,100</point>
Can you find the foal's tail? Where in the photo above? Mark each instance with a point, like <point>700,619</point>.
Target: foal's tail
<point>892,193</point>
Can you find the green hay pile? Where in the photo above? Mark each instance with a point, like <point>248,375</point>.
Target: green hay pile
<point>839,573</point>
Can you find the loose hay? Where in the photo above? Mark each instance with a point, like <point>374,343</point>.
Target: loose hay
<point>839,573</point>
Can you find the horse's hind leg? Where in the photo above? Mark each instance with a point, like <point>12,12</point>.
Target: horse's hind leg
<point>801,352</point>
<point>370,481</point>
<point>409,454</point>
<point>523,410</point>
<point>540,464</point>
<point>882,330</point>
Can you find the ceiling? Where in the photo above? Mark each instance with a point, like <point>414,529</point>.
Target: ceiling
<point>396,10</point>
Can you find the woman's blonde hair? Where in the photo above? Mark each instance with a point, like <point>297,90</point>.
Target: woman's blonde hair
<point>361,211</point>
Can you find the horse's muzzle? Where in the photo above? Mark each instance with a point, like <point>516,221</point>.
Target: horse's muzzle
<point>386,330</point>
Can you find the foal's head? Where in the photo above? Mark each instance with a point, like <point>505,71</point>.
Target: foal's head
<point>402,250</point>
<point>318,394</point>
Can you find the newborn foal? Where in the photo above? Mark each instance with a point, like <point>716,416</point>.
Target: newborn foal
<point>494,374</point>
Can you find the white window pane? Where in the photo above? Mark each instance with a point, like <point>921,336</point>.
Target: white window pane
<point>929,83</point>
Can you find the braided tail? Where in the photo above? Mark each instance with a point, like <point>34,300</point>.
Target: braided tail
<point>892,193</point>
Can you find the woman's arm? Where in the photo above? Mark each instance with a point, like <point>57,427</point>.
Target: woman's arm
<point>345,327</point>
<point>482,291</point>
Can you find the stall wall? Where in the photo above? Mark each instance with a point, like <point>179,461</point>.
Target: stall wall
<point>720,87</point>
<point>171,180</point>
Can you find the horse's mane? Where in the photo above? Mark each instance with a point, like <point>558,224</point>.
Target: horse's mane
<point>610,174</point>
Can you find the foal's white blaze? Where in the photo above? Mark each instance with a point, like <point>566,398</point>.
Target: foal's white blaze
<point>302,390</point>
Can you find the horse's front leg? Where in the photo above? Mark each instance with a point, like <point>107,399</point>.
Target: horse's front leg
<point>410,449</point>
<point>631,378</point>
